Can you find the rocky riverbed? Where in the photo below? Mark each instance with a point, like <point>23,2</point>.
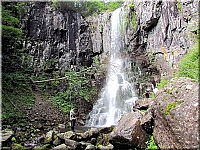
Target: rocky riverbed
<point>171,118</point>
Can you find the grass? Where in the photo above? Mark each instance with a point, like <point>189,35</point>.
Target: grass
<point>189,64</point>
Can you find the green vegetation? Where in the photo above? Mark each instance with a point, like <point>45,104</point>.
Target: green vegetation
<point>151,144</point>
<point>179,5</point>
<point>18,146</point>
<point>162,83</point>
<point>131,6</point>
<point>189,65</point>
<point>11,32</point>
<point>133,21</point>
<point>78,87</point>
<point>132,16</point>
<point>181,101</point>
<point>152,95</point>
<point>87,8</point>
<point>44,147</point>
<point>169,107</point>
<point>15,92</point>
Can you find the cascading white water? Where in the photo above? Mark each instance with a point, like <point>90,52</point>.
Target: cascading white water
<point>117,96</point>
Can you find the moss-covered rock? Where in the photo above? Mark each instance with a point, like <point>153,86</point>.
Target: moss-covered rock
<point>176,123</point>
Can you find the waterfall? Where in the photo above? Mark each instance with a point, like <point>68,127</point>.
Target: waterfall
<point>118,95</point>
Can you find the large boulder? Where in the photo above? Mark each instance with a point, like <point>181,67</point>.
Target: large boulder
<point>129,133</point>
<point>175,112</point>
<point>91,133</point>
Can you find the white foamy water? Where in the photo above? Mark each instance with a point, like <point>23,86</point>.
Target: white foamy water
<point>118,95</point>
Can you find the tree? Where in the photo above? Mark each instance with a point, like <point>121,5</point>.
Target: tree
<point>12,34</point>
<point>87,7</point>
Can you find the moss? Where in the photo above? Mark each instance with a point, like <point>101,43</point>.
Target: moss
<point>169,107</point>
<point>164,98</point>
<point>162,83</point>
<point>168,91</point>
<point>179,5</point>
<point>54,137</point>
<point>179,102</point>
<point>161,108</point>
<point>143,110</point>
<point>13,139</point>
<point>189,64</point>
<point>16,146</point>
<point>131,6</point>
<point>99,137</point>
<point>46,146</point>
<point>133,20</point>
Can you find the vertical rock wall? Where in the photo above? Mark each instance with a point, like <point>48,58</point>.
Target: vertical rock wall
<point>165,30</point>
<point>58,40</point>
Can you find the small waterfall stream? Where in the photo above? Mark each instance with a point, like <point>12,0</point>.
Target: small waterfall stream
<point>118,95</point>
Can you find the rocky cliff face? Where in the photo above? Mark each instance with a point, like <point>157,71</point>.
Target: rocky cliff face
<point>165,31</point>
<point>58,40</point>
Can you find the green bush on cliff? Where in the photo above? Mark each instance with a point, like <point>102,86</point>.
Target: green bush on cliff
<point>87,8</point>
<point>78,87</point>
<point>189,65</point>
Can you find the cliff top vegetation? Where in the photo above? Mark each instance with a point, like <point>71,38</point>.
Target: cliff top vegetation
<point>87,7</point>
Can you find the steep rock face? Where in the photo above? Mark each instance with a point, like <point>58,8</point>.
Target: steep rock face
<point>100,34</point>
<point>58,40</point>
<point>165,30</point>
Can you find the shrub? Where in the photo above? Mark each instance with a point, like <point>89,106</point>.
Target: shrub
<point>189,65</point>
<point>151,144</point>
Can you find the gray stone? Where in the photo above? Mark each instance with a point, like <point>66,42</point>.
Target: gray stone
<point>61,127</point>
<point>128,133</point>
<point>73,144</point>
<point>107,147</point>
<point>57,141</point>
<point>49,137</point>
<point>62,146</point>
<point>6,134</point>
<point>147,122</point>
<point>69,135</point>
<point>176,115</point>
<point>90,147</point>
<point>143,104</point>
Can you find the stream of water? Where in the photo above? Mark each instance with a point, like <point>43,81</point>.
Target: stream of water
<point>118,95</point>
